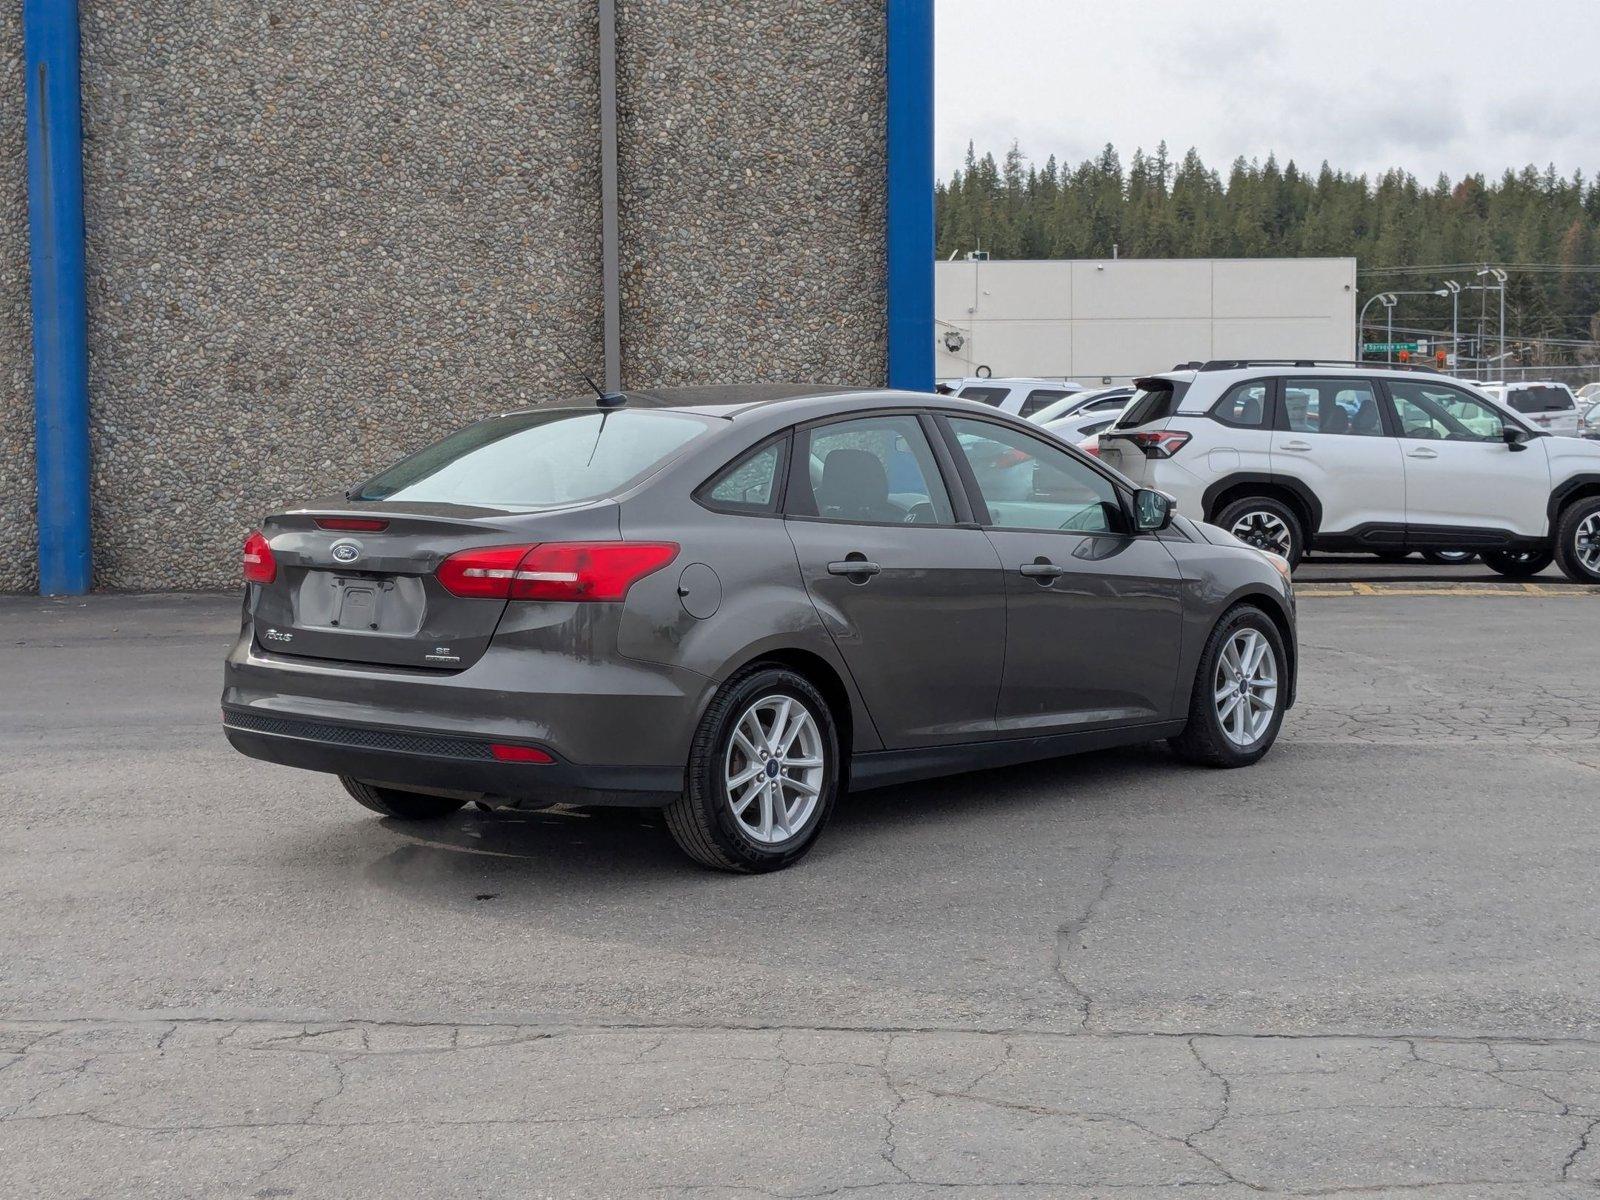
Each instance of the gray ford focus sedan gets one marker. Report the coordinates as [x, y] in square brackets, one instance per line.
[736, 604]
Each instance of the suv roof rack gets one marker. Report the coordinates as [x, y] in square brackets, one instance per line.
[1236, 364]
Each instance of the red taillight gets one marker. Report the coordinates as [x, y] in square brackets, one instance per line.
[1090, 446]
[520, 754]
[1162, 444]
[1007, 459]
[554, 570]
[259, 565]
[352, 524]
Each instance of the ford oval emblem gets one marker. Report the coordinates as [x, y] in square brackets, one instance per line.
[346, 551]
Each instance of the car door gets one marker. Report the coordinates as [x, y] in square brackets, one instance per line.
[1093, 614]
[1331, 437]
[912, 597]
[1460, 473]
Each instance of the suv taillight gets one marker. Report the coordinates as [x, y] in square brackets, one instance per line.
[259, 565]
[1161, 444]
[553, 570]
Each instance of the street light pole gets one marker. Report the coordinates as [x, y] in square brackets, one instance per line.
[1454, 289]
[1361, 321]
[1499, 285]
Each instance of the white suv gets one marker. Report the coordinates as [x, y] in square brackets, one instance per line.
[1343, 456]
[1546, 405]
[1021, 397]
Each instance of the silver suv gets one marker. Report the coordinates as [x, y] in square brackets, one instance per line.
[1291, 455]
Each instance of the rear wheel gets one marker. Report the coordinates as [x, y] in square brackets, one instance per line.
[1449, 557]
[1518, 564]
[1266, 524]
[1236, 707]
[402, 806]
[763, 774]
[1578, 541]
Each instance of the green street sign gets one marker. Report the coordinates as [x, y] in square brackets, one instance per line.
[1387, 347]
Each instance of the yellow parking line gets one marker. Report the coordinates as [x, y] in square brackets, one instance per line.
[1320, 591]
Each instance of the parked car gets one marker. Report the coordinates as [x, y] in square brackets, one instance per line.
[1589, 393]
[1589, 419]
[1547, 405]
[1021, 397]
[667, 604]
[1109, 401]
[1346, 456]
[1083, 429]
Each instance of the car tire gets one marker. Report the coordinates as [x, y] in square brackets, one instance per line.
[1517, 564]
[1578, 541]
[739, 729]
[402, 806]
[1266, 524]
[1218, 733]
[1449, 558]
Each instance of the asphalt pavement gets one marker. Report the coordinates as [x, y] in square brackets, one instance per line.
[1368, 965]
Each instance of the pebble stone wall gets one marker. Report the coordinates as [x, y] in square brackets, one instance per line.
[19, 564]
[321, 235]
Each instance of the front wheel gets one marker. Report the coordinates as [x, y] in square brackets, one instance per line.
[402, 806]
[1449, 558]
[1236, 707]
[1517, 564]
[763, 774]
[1578, 541]
[1266, 524]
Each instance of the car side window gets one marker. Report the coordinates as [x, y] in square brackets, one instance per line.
[1245, 405]
[1028, 484]
[1348, 407]
[1437, 412]
[1040, 398]
[878, 470]
[749, 485]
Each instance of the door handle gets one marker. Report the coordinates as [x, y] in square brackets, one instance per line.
[858, 568]
[1422, 452]
[1042, 569]
[1302, 447]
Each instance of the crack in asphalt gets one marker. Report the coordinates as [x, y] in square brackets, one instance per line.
[1069, 935]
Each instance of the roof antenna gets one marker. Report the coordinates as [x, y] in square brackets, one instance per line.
[603, 399]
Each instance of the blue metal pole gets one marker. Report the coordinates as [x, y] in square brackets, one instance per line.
[909, 68]
[55, 258]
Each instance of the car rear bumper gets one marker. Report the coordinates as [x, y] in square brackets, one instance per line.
[618, 730]
[421, 758]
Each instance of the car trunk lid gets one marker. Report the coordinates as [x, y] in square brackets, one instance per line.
[357, 583]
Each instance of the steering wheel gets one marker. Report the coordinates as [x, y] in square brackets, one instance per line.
[922, 513]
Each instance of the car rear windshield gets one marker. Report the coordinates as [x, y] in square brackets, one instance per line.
[539, 459]
[1541, 399]
[985, 395]
[1156, 400]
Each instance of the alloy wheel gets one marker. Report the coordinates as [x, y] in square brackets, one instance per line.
[1586, 543]
[773, 769]
[1246, 693]
[1263, 530]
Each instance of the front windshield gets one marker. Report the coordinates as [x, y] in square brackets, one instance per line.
[538, 459]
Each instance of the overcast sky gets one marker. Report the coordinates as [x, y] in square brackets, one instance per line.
[1457, 86]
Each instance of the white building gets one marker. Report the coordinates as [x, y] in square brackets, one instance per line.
[1112, 320]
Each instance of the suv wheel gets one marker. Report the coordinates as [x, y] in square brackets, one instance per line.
[402, 806]
[1266, 524]
[1236, 707]
[1449, 557]
[1578, 541]
[1517, 564]
[763, 774]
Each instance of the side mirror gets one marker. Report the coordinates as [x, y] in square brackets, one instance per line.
[1514, 438]
[1152, 510]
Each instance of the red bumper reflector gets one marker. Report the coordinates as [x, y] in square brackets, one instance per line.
[521, 754]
